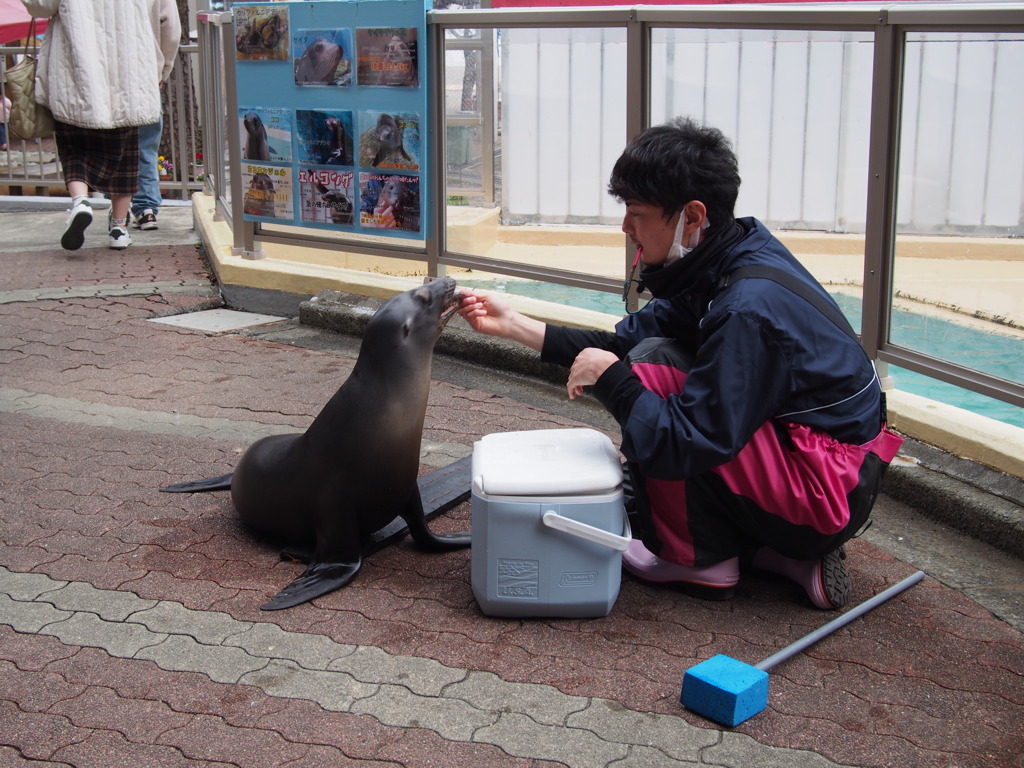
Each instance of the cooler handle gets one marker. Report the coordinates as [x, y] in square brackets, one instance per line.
[597, 535]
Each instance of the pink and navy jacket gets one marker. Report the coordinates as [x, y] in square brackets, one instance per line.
[744, 397]
[759, 352]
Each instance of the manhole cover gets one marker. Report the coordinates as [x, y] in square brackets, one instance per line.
[218, 320]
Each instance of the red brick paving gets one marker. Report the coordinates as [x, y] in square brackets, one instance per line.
[930, 680]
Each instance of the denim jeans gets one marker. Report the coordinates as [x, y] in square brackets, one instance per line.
[148, 195]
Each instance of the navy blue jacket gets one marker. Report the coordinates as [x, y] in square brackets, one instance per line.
[760, 353]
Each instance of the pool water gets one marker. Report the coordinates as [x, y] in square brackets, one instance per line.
[991, 353]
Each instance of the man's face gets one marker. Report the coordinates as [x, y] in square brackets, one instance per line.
[647, 226]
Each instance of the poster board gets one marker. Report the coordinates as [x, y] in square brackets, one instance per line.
[332, 113]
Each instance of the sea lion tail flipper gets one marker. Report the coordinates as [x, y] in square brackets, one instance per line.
[222, 483]
[319, 579]
[438, 492]
[416, 518]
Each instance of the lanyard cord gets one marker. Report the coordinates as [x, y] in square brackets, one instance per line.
[632, 274]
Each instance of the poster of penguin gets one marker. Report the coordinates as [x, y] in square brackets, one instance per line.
[327, 196]
[387, 56]
[261, 33]
[324, 137]
[389, 140]
[389, 201]
[322, 57]
[266, 134]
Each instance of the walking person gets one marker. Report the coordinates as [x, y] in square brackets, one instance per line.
[5, 115]
[147, 199]
[753, 422]
[99, 72]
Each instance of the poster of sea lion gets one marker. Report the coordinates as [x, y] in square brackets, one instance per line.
[389, 201]
[261, 33]
[324, 137]
[387, 56]
[266, 134]
[327, 197]
[322, 57]
[268, 191]
[389, 140]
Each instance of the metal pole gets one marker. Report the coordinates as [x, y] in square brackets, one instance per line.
[808, 640]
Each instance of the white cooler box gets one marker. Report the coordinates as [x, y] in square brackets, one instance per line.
[549, 526]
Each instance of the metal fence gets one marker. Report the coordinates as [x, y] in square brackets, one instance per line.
[854, 117]
[797, 105]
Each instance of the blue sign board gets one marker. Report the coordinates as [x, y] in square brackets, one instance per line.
[332, 114]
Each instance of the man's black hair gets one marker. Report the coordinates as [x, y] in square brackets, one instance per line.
[669, 165]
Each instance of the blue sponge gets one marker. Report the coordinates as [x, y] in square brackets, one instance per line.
[725, 690]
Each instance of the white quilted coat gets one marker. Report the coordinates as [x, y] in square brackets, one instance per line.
[102, 60]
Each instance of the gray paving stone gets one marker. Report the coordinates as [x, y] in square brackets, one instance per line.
[208, 627]
[336, 691]
[670, 735]
[452, 719]
[544, 703]
[739, 751]
[27, 586]
[522, 736]
[117, 638]
[192, 287]
[184, 654]
[309, 651]
[424, 677]
[108, 604]
[648, 757]
[29, 617]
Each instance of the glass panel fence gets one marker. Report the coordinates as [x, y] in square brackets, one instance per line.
[958, 278]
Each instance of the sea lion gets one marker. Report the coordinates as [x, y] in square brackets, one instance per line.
[260, 34]
[318, 63]
[259, 198]
[339, 142]
[341, 207]
[327, 490]
[390, 137]
[398, 66]
[257, 146]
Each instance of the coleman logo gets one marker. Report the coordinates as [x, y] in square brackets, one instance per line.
[584, 579]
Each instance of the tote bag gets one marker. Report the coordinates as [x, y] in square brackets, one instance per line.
[28, 120]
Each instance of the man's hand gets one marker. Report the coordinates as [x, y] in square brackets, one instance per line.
[587, 369]
[485, 312]
[488, 313]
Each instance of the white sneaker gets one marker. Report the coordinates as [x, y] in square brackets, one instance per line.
[79, 218]
[119, 238]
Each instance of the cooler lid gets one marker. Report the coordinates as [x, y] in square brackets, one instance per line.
[546, 462]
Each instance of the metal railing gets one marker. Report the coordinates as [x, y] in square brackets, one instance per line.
[886, 28]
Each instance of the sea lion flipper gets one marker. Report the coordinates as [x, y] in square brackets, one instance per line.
[426, 538]
[319, 579]
[222, 483]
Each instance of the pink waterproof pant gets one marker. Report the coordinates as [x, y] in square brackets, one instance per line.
[803, 493]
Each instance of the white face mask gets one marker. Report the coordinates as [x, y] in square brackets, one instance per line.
[678, 250]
